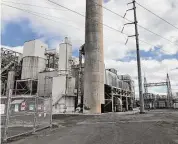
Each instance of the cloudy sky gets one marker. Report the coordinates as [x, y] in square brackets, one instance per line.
[50, 23]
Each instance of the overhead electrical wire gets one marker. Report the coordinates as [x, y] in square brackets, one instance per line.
[84, 15]
[156, 15]
[80, 15]
[33, 5]
[104, 25]
[58, 17]
[40, 15]
[36, 14]
[137, 24]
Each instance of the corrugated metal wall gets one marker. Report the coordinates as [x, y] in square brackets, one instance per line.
[45, 84]
[113, 80]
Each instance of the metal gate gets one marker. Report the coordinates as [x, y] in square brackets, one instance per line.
[24, 114]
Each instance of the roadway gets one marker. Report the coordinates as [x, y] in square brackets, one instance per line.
[154, 127]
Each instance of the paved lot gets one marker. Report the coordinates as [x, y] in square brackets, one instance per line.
[23, 123]
[154, 127]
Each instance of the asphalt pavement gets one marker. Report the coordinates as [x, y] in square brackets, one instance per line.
[153, 127]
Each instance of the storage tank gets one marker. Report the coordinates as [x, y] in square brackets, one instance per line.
[34, 48]
[31, 66]
[45, 82]
[65, 57]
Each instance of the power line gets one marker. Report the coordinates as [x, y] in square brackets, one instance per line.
[36, 14]
[157, 15]
[84, 16]
[103, 24]
[98, 22]
[137, 24]
[107, 25]
[32, 5]
[39, 15]
[75, 13]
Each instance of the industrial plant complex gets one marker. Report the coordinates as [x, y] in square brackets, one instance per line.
[55, 73]
[66, 84]
[79, 98]
[46, 73]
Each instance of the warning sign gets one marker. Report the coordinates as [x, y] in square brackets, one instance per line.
[23, 106]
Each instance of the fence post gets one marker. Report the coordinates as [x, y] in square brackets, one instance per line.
[35, 115]
[7, 115]
[51, 110]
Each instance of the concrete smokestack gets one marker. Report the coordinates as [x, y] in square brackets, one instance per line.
[94, 57]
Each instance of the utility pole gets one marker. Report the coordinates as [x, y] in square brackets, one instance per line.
[138, 54]
[169, 91]
[138, 61]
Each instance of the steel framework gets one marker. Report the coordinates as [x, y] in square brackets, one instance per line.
[167, 84]
[52, 58]
[10, 60]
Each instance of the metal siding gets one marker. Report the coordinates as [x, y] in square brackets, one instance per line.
[45, 85]
[31, 66]
[112, 79]
[65, 55]
[75, 75]
[71, 86]
[58, 88]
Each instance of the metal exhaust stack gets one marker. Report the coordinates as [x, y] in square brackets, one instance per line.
[94, 57]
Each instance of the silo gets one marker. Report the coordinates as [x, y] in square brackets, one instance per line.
[31, 66]
[65, 57]
[33, 59]
[94, 57]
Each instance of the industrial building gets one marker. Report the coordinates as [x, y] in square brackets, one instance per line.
[89, 87]
[43, 72]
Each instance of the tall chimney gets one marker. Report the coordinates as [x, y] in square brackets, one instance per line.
[94, 57]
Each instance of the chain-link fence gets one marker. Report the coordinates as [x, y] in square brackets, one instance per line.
[24, 114]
